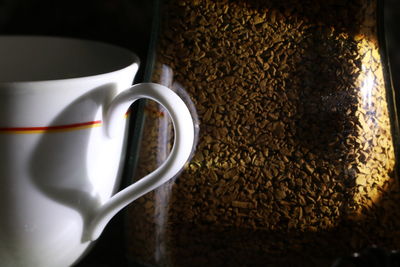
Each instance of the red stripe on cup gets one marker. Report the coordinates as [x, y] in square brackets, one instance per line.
[67, 127]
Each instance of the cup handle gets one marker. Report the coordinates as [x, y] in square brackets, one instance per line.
[181, 150]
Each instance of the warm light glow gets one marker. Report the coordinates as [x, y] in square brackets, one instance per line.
[367, 87]
[372, 115]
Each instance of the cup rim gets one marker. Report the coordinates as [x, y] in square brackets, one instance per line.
[132, 58]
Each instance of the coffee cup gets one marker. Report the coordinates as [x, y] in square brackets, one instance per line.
[63, 133]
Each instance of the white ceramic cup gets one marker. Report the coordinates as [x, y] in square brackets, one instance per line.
[63, 105]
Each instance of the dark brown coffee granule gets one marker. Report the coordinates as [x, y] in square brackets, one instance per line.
[295, 161]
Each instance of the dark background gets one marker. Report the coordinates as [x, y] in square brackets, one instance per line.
[128, 23]
[392, 30]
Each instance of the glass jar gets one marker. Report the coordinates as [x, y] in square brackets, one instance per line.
[296, 157]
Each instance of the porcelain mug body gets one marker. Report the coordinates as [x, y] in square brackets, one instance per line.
[63, 114]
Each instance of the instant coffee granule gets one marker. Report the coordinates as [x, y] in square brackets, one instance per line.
[295, 164]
